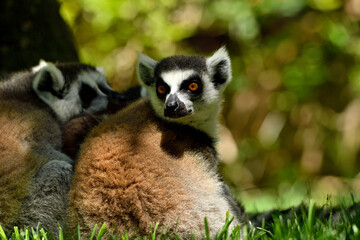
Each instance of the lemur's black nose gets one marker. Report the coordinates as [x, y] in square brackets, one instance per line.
[174, 107]
[172, 103]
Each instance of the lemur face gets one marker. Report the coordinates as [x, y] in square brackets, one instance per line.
[73, 89]
[178, 90]
[185, 89]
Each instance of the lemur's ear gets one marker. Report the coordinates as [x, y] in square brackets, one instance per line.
[219, 67]
[145, 68]
[48, 82]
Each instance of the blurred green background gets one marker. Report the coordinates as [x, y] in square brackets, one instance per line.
[292, 112]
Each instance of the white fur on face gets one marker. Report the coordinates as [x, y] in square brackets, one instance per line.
[204, 110]
[174, 80]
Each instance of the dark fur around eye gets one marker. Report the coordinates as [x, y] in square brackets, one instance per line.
[185, 86]
[87, 94]
[161, 82]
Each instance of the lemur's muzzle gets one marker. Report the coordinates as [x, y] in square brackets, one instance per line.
[174, 108]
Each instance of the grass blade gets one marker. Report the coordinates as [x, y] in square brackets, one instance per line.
[224, 234]
[93, 232]
[27, 236]
[16, 231]
[2, 234]
[311, 214]
[207, 233]
[61, 235]
[176, 236]
[43, 234]
[101, 232]
[79, 235]
[154, 233]
[125, 237]
[35, 234]
[235, 233]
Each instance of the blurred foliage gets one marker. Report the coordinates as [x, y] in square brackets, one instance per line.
[292, 113]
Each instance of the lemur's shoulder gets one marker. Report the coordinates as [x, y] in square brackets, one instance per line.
[139, 121]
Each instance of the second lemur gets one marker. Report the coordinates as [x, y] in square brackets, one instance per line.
[34, 106]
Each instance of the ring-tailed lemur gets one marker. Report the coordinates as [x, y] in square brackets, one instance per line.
[34, 105]
[155, 161]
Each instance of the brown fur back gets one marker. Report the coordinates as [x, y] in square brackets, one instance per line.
[135, 170]
[24, 133]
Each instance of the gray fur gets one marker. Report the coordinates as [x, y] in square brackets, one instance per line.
[47, 199]
[236, 208]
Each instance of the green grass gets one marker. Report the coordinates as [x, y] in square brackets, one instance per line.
[306, 223]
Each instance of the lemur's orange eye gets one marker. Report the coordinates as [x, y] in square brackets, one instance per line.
[161, 89]
[193, 86]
